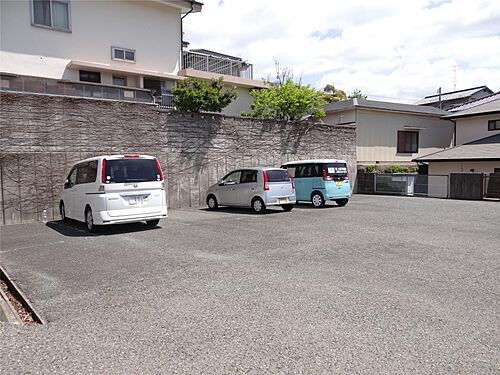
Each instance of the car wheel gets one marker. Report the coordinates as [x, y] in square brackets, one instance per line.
[89, 220]
[342, 202]
[152, 223]
[212, 202]
[258, 205]
[317, 199]
[62, 212]
[287, 207]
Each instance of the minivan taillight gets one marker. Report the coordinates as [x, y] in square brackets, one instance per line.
[326, 177]
[292, 181]
[346, 177]
[158, 169]
[266, 181]
[103, 171]
[131, 156]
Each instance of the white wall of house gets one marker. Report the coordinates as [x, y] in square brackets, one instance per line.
[151, 29]
[341, 117]
[473, 128]
[377, 134]
[241, 104]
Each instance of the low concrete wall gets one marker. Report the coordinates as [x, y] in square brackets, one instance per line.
[42, 136]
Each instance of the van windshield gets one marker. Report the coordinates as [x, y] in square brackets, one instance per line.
[131, 170]
[277, 175]
[335, 169]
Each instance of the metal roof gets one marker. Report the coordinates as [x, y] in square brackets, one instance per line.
[383, 106]
[482, 149]
[489, 104]
[452, 95]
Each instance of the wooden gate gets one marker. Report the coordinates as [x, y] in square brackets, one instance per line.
[466, 185]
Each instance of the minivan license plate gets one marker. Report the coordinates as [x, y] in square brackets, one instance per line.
[338, 183]
[282, 200]
[135, 200]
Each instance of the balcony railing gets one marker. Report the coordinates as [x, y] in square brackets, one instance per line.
[167, 100]
[70, 88]
[216, 64]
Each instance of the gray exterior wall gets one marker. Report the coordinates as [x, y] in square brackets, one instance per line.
[42, 136]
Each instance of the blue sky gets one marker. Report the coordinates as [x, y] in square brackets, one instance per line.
[391, 50]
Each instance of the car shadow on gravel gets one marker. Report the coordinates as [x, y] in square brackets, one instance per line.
[309, 206]
[243, 211]
[77, 229]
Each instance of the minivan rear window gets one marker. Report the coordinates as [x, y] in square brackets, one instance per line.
[277, 175]
[131, 170]
[335, 169]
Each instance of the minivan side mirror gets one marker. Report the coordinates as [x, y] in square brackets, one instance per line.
[66, 184]
[221, 183]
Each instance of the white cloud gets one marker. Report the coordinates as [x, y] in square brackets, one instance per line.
[387, 48]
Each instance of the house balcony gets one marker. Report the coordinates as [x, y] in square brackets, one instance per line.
[213, 62]
[38, 85]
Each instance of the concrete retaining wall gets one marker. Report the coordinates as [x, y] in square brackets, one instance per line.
[42, 136]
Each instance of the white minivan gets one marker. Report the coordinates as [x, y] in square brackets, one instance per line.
[114, 189]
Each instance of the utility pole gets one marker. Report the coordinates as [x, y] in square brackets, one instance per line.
[439, 92]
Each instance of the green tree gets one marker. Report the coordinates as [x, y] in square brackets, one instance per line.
[357, 94]
[334, 95]
[287, 100]
[195, 95]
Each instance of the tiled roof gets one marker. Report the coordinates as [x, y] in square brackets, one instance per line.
[476, 102]
[482, 149]
[452, 95]
[490, 104]
[386, 106]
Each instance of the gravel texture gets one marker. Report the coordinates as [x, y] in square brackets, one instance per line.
[383, 285]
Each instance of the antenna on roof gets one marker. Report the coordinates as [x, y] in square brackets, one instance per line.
[454, 68]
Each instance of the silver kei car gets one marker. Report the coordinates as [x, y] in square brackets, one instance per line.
[257, 188]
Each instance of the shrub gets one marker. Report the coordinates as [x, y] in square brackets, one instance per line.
[397, 169]
[371, 169]
[287, 100]
[195, 95]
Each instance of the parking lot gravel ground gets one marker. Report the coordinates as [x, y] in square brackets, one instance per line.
[384, 285]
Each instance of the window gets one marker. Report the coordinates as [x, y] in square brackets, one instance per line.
[277, 175]
[407, 142]
[86, 172]
[124, 54]
[291, 169]
[494, 125]
[71, 179]
[119, 81]
[155, 85]
[51, 13]
[131, 170]
[232, 178]
[309, 170]
[86, 76]
[248, 176]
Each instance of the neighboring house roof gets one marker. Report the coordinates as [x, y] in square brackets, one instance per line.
[483, 149]
[383, 106]
[484, 106]
[452, 95]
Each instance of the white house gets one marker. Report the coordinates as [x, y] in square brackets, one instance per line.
[392, 133]
[477, 139]
[109, 49]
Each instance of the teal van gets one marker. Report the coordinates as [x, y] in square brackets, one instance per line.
[317, 181]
